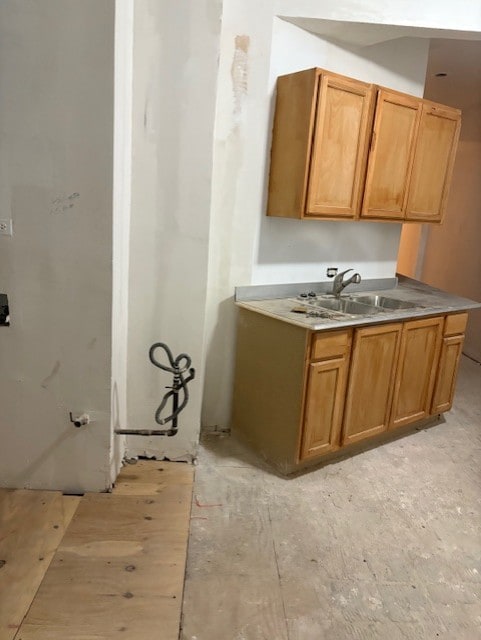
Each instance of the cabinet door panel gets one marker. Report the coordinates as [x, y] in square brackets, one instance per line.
[326, 388]
[373, 367]
[447, 374]
[391, 156]
[340, 147]
[433, 163]
[418, 362]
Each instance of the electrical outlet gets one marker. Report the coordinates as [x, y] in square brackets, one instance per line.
[6, 227]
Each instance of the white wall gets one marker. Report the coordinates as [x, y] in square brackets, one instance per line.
[176, 48]
[246, 247]
[56, 111]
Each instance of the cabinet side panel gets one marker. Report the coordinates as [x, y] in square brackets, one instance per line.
[291, 143]
[374, 360]
[433, 163]
[268, 387]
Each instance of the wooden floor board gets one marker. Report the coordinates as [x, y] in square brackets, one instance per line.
[119, 570]
[148, 477]
[32, 524]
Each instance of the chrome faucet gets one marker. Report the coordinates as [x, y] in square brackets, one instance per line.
[339, 283]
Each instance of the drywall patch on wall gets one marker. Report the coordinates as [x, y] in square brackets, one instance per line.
[239, 73]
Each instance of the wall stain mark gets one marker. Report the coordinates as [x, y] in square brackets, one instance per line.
[239, 73]
[51, 376]
[63, 203]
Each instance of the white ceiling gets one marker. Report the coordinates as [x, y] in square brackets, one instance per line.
[365, 34]
[456, 53]
[461, 60]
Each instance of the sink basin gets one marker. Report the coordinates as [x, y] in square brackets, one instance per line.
[385, 303]
[344, 305]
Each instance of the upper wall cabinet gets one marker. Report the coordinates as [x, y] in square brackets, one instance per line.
[320, 141]
[344, 149]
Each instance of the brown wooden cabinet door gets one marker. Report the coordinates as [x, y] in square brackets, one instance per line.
[418, 364]
[448, 370]
[391, 155]
[433, 163]
[326, 387]
[373, 368]
[339, 152]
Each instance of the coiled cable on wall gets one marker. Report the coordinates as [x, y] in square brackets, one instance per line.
[177, 367]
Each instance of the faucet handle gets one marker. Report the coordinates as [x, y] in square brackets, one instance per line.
[340, 275]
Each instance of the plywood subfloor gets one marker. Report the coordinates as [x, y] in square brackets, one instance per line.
[118, 572]
[385, 545]
[32, 524]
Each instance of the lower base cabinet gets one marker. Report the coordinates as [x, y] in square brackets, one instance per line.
[300, 395]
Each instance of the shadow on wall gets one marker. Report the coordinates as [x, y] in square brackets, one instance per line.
[312, 241]
[220, 350]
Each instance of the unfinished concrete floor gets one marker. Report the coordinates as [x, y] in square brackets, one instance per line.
[382, 546]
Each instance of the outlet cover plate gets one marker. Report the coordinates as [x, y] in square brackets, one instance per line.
[5, 226]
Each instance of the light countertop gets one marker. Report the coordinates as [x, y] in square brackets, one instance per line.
[278, 302]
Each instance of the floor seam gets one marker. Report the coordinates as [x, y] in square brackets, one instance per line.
[278, 573]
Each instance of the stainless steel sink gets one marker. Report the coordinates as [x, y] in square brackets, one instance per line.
[385, 303]
[343, 305]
